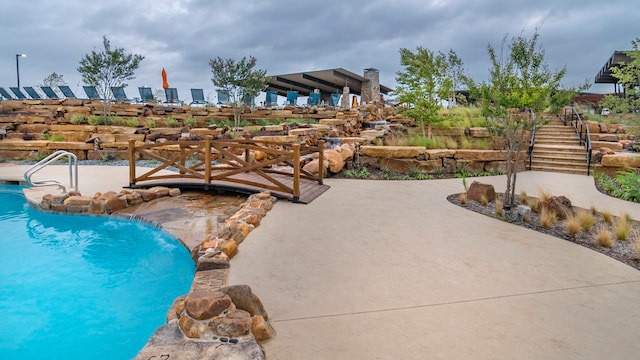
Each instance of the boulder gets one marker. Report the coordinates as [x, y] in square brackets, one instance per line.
[478, 191]
[244, 299]
[560, 205]
[189, 326]
[335, 160]
[392, 151]
[261, 329]
[621, 160]
[203, 305]
[232, 324]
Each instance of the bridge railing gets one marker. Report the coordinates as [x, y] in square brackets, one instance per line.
[225, 160]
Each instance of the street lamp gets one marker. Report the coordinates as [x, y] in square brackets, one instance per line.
[18, 56]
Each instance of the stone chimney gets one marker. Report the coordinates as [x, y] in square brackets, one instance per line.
[371, 87]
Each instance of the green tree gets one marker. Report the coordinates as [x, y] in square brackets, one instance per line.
[628, 74]
[108, 68]
[519, 89]
[53, 79]
[455, 72]
[239, 80]
[423, 84]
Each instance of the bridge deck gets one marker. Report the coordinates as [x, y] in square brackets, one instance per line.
[309, 189]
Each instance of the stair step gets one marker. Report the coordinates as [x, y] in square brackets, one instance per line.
[561, 163]
[560, 169]
[559, 157]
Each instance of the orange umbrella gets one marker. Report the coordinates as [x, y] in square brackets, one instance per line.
[355, 102]
[165, 84]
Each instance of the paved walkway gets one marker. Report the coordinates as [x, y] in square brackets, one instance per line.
[392, 270]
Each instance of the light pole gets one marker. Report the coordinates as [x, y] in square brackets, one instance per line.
[18, 56]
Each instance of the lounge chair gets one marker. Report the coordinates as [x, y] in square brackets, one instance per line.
[248, 100]
[292, 97]
[271, 99]
[314, 99]
[32, 92]
[172, 96]
[146, 94]
[92, 92]
[18, 93]
[47, 90]
[197, 97]
[334, 100]
[66, 91]
[119, 94]
[223, 97]
[4, 95]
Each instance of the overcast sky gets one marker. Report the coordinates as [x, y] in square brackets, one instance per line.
[290, 36]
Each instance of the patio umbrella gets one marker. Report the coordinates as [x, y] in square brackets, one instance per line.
[165, 84]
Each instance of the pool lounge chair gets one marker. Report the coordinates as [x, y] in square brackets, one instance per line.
[292, 97]
[47, 90]
[334, 100]
[146, 94]
[314, 99]
[197, 97]
[223, 97]
[32, 92]
[271, 99]
[92, 92]
[172, 96]
[66, 91]
[16, 91]
[4, 95]
[119, 94]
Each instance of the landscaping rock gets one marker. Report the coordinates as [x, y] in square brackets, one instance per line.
[560, 205]
[261, 329]
[479, 192]
[232, 324]
[203, 305]
[244, 299]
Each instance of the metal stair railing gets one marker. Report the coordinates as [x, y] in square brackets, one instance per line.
[572, 117]
[73, 171]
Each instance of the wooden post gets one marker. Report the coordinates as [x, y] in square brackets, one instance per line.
[207, 161]
[132, 163]
[320, 161]
[182, 157]
[296, 172]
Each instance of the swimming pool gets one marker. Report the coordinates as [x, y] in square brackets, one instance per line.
[83, 287]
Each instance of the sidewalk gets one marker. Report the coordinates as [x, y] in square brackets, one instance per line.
[392, 270]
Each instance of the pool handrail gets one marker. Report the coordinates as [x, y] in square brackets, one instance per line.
[73, 168]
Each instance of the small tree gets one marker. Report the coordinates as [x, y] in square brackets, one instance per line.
[238, 80]
[54, 79]
[423, 84]
[628, 74]
[108, 68]
[455, 71]
[519, 89]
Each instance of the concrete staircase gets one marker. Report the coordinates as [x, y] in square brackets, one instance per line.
[557, 149]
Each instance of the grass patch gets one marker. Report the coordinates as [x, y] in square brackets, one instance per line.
[604, 237]
[622, 228]
[572, 226]
[586, 220]
[548, 218]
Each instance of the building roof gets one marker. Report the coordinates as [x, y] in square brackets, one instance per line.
[604, 75]
[327, 81]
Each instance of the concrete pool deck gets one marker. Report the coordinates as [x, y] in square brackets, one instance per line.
[392, 270]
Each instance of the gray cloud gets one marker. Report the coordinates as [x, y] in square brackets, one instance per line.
[291, 36]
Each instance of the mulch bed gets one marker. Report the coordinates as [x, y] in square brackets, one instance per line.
[622, 250]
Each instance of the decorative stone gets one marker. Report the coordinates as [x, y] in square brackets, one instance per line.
[229, 247]
[174, 192]
[334, 158]
[244, 299]
[160, 190]
[213, 260]
[203, 305]
[78, 200]
[148, 195]
[189, 326]
[261, 329]
[621, 160]
[478, 191]
[560, 205]
[232, 324]
[481, 155]
[392, 151]
[115, 203]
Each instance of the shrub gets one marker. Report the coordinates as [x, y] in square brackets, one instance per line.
[172, 122]
[586, 220]
[572, 225]
[533, 204]
[594, 210]
[483, 200]
[499, 208]
[543, 195]
[57, 138]
[607, 216]
[96, 120]
[604, 237]
[622, 228]
[150, 123]
[450, 143]
[191, 122]
[524, 198]
[131, 122]
[462, 197]
[548, 218]
[77, 119]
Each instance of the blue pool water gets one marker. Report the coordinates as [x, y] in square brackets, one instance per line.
[82, 287]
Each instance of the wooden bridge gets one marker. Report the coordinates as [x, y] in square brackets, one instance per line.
[239, 165]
